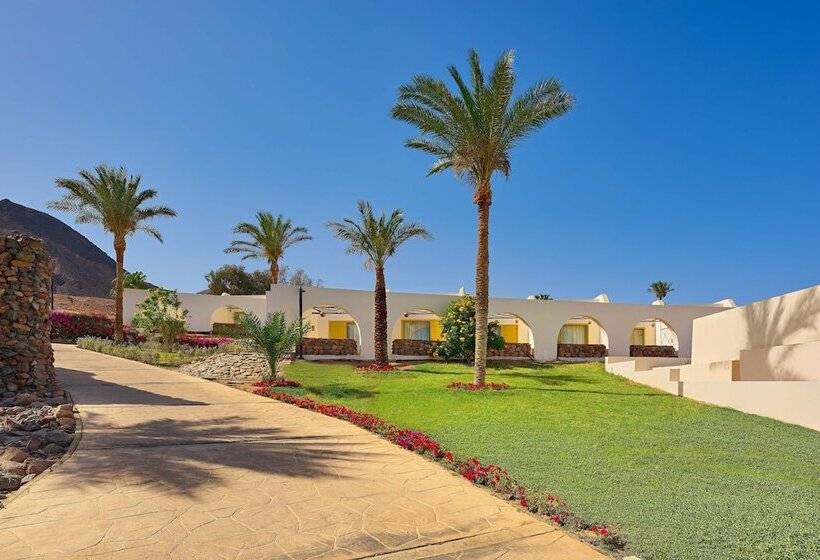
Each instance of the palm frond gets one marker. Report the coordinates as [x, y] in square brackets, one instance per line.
[377, 237]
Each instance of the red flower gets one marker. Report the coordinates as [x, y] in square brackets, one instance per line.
[376, 367]
[557, 519]
[524, 503]
[478, 387]
[276, 383]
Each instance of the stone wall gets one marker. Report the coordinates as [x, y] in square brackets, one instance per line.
[511, 350]
[407, 347]
[26, 359]
[649, 351]
[235, 367]
[329, 347]
[581, 350]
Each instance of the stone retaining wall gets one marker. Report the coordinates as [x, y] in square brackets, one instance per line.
[511, 350]
[581, 351]
[26, 358]
[237, 367]
[407, 347]
[329, 347]
[649, 351]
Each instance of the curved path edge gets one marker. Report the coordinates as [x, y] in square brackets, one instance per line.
[171, 466]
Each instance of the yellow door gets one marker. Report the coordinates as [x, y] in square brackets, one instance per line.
[337, 329]
[509, 333]
[435, 329]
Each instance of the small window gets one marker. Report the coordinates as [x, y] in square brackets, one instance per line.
[416, 330]
[638, 337]
[573, 334]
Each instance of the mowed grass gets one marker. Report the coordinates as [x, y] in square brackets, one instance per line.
[681, 480]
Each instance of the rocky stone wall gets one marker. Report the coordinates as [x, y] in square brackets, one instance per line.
[329, 347]
[649, 351]
[238, 367]
[26, 358]
[511, 350]
[408, 347]
[581, 350]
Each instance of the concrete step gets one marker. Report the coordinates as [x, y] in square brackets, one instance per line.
[728, 370]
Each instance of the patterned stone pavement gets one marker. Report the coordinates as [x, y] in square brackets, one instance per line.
[171, 466]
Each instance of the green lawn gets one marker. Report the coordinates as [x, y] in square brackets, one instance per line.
[680, 480]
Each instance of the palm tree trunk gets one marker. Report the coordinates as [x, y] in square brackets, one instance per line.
[274, 272]
[380, 329]
[119, 250]
[482, 285]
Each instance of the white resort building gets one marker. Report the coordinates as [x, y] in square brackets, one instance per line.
[760, 358]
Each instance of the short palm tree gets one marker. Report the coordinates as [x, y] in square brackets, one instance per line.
[377, 238]
[270, 237]
[274, 338]
[109, 196]
[472, 131]
[661, 289]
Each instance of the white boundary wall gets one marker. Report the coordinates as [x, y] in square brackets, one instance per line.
[543, 317]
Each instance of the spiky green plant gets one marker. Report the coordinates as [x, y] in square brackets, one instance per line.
[472, 131]
[270, 237]
[377, 238]
[274, 337]
[112, 198]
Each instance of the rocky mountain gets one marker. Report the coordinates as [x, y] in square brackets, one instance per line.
[82, 268]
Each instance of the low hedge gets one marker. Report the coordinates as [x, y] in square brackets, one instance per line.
[68, 326]
[150, 352]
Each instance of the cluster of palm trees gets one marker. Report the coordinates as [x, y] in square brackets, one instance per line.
[470, 129]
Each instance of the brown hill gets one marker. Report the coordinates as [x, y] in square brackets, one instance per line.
[82, 268]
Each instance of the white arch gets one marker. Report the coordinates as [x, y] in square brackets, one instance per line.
[325, 319]
[655, 332]
[593, 334]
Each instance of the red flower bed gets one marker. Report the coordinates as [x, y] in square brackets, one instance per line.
[490, 475]
[277, 383]
[376, 367]
[416, 441]
[68, 326]
[475, 387]
[203, 340]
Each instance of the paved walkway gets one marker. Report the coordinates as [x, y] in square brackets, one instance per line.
[170, 466]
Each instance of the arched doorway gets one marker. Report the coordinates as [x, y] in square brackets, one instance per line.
[415, 334]
[334, 332]
[225, 320]
[582, 338]
[653, 338]
[518, 339]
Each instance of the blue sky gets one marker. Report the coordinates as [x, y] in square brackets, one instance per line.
[692, 154]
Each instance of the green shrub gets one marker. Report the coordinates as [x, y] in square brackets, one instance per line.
[233, 330]
[153, 353]
[160, 316]
[458, 331]
[273, 338]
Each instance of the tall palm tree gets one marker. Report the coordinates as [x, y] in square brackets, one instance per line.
[660, 288]
[109, 196]
[270, 238]
[377, 238]
[472, 132]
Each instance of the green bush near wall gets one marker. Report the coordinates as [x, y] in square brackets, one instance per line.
[227, 329]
